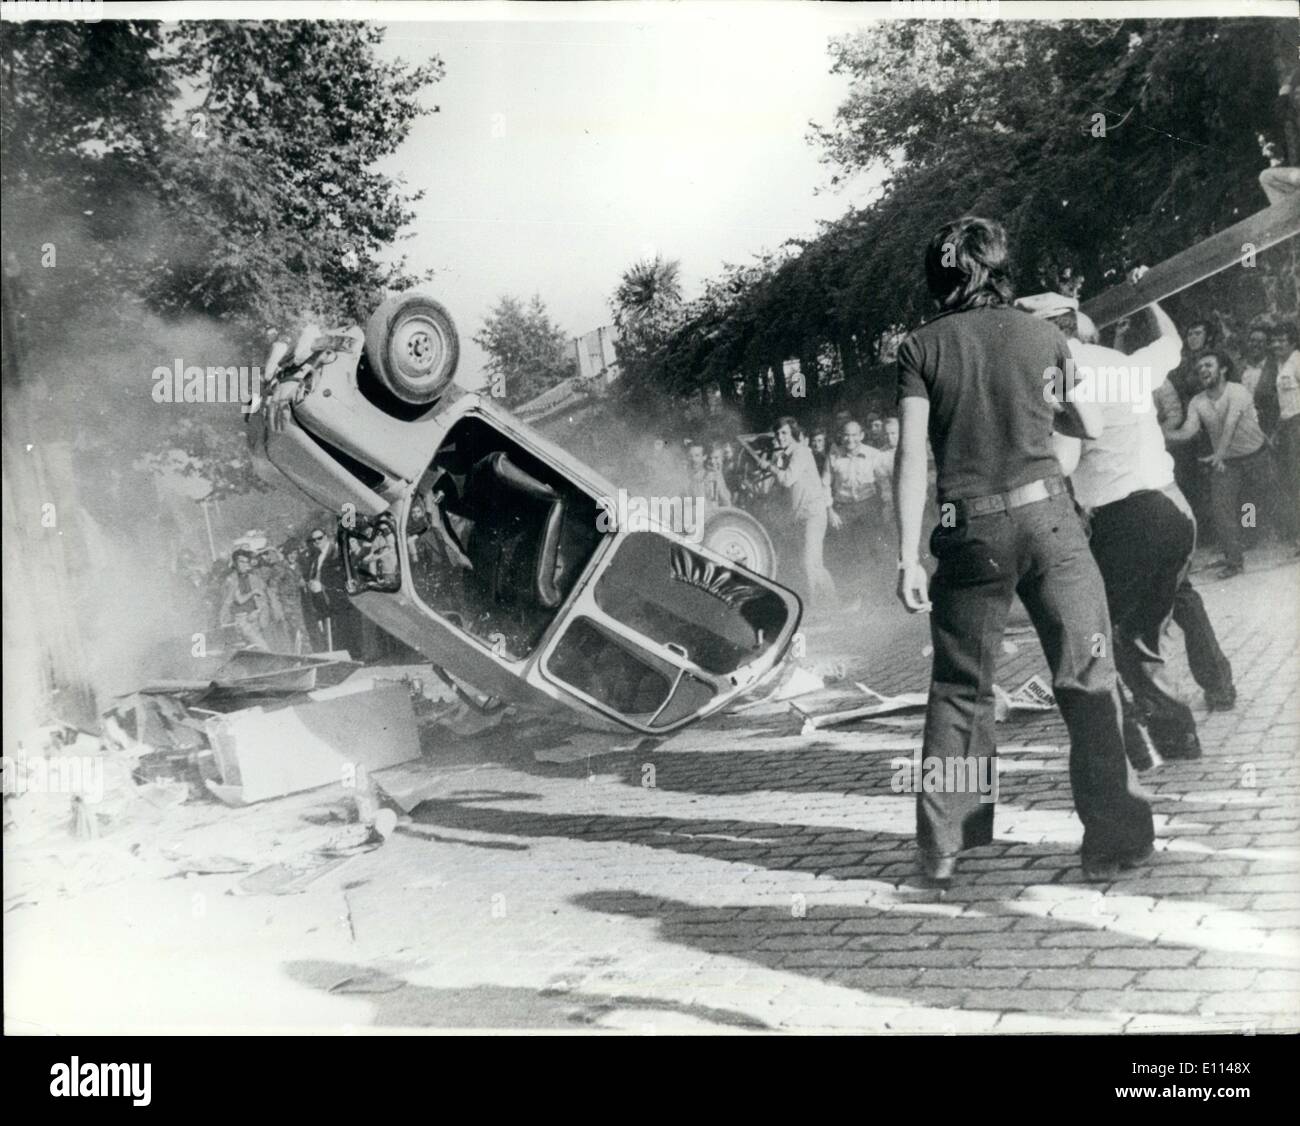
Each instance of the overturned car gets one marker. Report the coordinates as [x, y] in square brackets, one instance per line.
[470, 537]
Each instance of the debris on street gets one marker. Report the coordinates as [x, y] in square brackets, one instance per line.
[1032, 696]
[877, 705]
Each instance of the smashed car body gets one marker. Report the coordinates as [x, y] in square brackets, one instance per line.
[469, 536]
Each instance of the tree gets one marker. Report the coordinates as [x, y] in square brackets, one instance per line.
[1100, 145]
[191, 191]
[170, 195]
[647, 308]
[527, 352]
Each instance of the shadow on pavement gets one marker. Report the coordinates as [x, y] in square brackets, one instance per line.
[399, 1004]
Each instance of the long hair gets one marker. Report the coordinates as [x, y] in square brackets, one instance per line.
[966, 264]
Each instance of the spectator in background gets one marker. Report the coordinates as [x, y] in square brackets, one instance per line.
[837, 428]
[891, 434]
[731, 469]
[817, 443]
[795, 471]
[696, 470]
[246, 603]
[1286, 357]
[716, 490]
[1259, 376]
[1171, 399]
[286, 628]
[695, 459]
[298, 620]
[1241, 470]
[322, 561]
[1198, 337]
[876, 431]
[856, 479]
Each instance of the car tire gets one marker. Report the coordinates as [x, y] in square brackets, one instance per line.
[412, 348]
[736, 535]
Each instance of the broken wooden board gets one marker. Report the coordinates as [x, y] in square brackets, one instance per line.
[268, 753]
[880, 705]
[1208, 257]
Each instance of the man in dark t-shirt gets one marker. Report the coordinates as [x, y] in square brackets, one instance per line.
[982, 370]
[989, 383]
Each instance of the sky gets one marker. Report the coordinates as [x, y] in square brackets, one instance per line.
[565, 150]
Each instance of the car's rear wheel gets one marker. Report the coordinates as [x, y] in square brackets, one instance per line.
[736, 535]
[412, 348]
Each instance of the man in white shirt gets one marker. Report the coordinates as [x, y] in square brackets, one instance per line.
[1242, 471]
[856, 478]
[1142, 529]
[795, 470]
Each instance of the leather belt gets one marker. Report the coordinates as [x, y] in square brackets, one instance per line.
[1042, 489]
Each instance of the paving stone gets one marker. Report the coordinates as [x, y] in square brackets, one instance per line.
[1087, 938]
[965, 924]
[977, 977]
[1024, 1000]
[1083, 978]
[1206, 980]
[926, 958]
[1137, 1000]
[1237, 1003]
[1143, 957]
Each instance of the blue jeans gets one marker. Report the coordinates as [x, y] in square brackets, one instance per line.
[1039, 551]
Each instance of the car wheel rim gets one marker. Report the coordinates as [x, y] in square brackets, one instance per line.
[417, 351]
[736, 545]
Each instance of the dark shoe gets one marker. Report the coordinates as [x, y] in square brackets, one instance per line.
[1185, 748]
[1140, 759]
[1103, 869]
[1222, 699]
[938, 869]
[1229, 570]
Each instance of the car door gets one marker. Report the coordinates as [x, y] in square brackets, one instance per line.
[664, 632]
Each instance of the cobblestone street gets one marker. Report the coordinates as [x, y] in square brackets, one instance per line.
[741, 876]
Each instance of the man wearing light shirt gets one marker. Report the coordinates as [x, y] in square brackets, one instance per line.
[1242, 469]
[857, 478]
[1142, 529]
[795, 470]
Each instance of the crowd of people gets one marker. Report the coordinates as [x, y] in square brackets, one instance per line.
[293, 599]
[1076, 504]
[821, 489]
[1232, 418]
[1089, 511]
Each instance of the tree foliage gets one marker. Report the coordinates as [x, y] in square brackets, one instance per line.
[647, 309]
[526, 350]
[199, 186]
[1098, 144]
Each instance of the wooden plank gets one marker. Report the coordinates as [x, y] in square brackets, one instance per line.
[1219, 252]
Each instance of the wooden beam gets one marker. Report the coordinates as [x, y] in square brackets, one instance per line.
[1208, 257]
